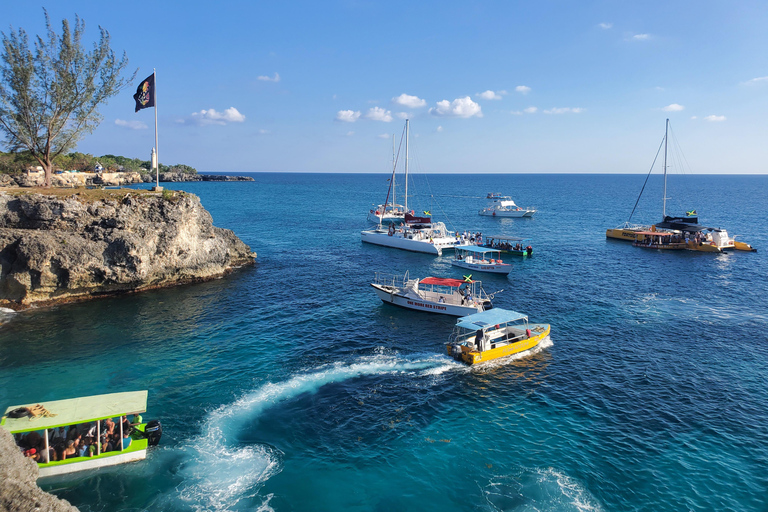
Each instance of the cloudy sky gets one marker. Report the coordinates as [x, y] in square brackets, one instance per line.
[494, 87]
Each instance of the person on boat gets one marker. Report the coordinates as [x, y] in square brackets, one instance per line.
[57, 436]
[441, 300]
[391, 229]
[126, 440]
[479, 340]
[69, 451]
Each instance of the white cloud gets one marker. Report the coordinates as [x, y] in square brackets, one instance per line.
[659, 88]
[715, 119]
[383, 136]
[460, 107]
[350, 133]
[264, 132]
[347, 116]
[694, 117]
[516, 113]
[265, 78]
[641, 37]
[674, 107]
[212, 116]
[523, 89]
[133, 125]
[490, 95]
[755, 81]
[439, 129]
[605, 26]
[409, 101]
[402, 115]
[530, 110]
[565, 110]
[379, 114]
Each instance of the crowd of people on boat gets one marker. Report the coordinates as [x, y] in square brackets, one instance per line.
[81, 440]
[469, 237]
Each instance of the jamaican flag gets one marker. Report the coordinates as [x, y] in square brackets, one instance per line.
[690, 213]
[427, 213]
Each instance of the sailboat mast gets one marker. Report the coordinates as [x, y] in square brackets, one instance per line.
[664, 202]
[407, 129]
[394, 200]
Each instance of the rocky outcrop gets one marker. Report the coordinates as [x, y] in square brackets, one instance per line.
[180, 176]
[18, 490]
[64, 248]
[107, 179]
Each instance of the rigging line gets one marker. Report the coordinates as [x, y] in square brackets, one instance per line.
[394, 168]
[646, 178]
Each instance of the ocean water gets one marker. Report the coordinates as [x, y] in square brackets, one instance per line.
[289, 386]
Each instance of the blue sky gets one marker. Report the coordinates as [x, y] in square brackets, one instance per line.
[492, 87]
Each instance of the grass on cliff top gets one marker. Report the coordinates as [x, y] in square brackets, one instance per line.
[90, 194]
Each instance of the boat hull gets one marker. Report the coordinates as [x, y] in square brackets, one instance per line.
[53, 469]
[494, 268]
[621, 234]
[382, 238]
[471, 356]
[396, 298]
[513, 214]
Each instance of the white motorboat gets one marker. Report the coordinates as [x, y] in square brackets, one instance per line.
[504, 206]
[480, 259]
[446, 296]
[418, 234]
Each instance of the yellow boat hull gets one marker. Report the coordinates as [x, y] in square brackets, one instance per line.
[620, 234]
[471, 356]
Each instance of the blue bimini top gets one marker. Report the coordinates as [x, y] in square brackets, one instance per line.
[491, 317]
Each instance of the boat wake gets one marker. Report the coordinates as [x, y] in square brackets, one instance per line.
[218, 472]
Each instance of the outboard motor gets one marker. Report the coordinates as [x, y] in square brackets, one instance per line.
[153, 432]
[456, 351]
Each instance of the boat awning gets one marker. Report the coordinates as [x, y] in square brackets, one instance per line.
[490, 317]
[455, 283]
[475, 248]
[506, 238]
[78, 410]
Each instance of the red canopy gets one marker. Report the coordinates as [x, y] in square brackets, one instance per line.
[444, 281]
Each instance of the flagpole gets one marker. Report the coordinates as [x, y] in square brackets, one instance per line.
[157, 152]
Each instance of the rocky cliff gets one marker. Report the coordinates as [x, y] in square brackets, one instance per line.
[18, 488]
[66, 246]
[107, 179]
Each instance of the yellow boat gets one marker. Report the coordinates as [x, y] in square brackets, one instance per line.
[627, 231]
[494, 334]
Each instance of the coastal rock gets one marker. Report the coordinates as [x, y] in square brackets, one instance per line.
[55, 249]
[18, 489]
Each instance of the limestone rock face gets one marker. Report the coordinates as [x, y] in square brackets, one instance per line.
[56, 249]
[18, 490]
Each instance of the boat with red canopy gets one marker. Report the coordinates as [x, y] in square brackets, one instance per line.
[447, 296]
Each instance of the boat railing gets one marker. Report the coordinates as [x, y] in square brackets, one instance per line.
[392, 280]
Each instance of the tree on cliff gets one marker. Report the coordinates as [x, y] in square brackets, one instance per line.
[49, 97]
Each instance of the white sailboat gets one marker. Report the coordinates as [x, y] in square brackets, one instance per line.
[389, 211]
[417, 234]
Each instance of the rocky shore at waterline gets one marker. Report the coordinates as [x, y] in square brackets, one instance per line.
[18, 482]
[107, 179]
[65, 246]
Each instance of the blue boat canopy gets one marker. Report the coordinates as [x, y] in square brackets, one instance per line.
[475, 249]
[490, 317]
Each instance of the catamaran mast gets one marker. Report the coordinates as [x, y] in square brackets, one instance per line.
[664, 202]
[407, 128]
[394, 201]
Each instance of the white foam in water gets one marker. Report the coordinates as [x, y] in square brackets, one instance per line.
[540, 490]
[216, 475]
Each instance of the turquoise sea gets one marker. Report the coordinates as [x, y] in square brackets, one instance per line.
[289, 386]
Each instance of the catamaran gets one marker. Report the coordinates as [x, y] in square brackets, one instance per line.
[493, 334]
[46, 430]
[417, 234]
[446, 296]
[675, 233]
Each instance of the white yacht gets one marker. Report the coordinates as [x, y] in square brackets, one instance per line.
[504, 206]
